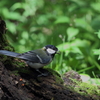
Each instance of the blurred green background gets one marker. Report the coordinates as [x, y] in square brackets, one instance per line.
[71, 25]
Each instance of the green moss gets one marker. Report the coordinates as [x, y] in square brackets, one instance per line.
[3, 58]
[56, 75]
[15, 72]
[18, 63]
[86, 89]
[9, 48]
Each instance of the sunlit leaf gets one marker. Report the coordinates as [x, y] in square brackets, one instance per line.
[11, 27]
[42, 20]
[22, 41]
[96, 6]
[16, 6]
[98, 33]
[72, 32]
[25, 35]
[99, 57]
[96, 51]
[62, 19]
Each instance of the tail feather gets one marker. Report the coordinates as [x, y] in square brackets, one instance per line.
[9, 53]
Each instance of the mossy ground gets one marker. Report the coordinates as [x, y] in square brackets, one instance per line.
[86, 89]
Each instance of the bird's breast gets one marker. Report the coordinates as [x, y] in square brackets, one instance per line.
[35, 65]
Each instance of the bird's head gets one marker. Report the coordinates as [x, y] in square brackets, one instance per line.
[51, 49]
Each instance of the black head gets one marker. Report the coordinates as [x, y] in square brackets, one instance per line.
[51, 49]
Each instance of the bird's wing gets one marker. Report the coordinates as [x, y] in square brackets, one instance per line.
[36, 56]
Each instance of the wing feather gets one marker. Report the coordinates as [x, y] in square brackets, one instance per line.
[36, 56]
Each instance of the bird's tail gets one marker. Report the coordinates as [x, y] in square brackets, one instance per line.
[9, 53]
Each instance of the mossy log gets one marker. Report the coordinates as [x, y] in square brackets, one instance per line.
[19, 82]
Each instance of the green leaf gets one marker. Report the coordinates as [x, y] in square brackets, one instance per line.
[83, 23]
[99, 57]
[11, 27]
[22, 41]
[96, 6]
[62, 19]
[72, 32]
[96, 51]
[25, 35]
[98, 33]
[16, 6]
[42, 20]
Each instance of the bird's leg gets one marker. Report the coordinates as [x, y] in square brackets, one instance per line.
[41, 74]
[38, 71]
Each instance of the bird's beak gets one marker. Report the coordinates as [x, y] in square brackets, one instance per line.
[58, 52]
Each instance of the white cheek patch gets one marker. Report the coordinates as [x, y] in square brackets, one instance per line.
[51, 51]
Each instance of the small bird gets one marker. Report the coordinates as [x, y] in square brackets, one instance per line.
[37, 58]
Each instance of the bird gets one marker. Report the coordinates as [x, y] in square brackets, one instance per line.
[36, 58]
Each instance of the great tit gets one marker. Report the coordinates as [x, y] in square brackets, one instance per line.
[36, 58]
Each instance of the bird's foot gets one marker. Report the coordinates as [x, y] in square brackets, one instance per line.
[41, 74]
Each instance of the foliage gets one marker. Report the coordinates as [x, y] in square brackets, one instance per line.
[97, 51]
[68, 24]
